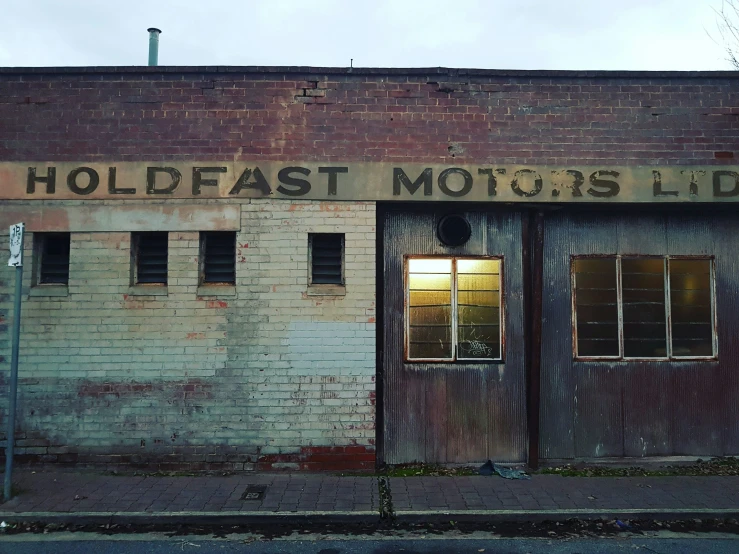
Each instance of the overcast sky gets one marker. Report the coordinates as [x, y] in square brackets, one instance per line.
[491, 34]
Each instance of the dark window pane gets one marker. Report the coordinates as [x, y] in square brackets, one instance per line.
[690, 305]
[596, 306]
[326, 256]
[219, 257]
[645, 348]
[151, 258]
[54, 262]
[594, 348]
[644, 317]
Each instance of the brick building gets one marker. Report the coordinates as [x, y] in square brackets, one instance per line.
[311, 268]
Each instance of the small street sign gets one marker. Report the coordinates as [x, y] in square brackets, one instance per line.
[16, 245]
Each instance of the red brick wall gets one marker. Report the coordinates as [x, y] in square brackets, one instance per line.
[367, 115]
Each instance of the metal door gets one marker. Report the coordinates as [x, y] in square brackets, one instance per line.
[452, 412]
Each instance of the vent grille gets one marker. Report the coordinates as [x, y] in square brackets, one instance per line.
[151, 258]
[54, 267]
[219, 258]
[326, 259]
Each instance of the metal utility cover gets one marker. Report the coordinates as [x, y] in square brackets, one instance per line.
[254, 492]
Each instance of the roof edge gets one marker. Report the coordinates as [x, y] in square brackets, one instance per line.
[365, 71]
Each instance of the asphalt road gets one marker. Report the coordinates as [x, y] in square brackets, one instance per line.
[43, 544]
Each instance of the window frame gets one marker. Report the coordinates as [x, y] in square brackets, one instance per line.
[311, 282]
[454, 311]
[135, 245]
[204, 253]
[670, 357]
[39, 246]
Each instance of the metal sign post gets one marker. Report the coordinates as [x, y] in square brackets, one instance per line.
[16, 260]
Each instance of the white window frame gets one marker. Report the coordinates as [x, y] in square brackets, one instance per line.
[454, 315]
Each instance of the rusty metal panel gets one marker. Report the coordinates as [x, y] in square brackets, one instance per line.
[646, 409]
[452, 404]
[639, 407]
[598, 416]
[467, 436]
[726, 392]
[506, 384]
[437, 424]
[563, 388]
[697, 398]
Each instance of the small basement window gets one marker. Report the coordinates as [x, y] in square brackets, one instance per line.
[218, 258]
[51, 256]
[326, 252]
[149, 258]
[453, 309]
[648, 307]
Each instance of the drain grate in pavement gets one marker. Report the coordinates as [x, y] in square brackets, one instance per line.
[254, 492]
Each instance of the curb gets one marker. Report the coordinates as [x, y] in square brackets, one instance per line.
[403, 516]
[499, 516]
[190, 518]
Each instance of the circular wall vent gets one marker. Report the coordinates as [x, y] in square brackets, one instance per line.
[453, 230]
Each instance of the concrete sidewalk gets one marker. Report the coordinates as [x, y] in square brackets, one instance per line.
[86, 497]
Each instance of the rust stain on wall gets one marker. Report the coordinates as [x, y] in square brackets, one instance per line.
[192, 388]
[320, 458]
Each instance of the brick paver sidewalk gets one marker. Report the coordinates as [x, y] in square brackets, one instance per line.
[89, 492]
[553, 492]
[80, 492]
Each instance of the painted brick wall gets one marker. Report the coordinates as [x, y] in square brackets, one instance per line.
[270, 378]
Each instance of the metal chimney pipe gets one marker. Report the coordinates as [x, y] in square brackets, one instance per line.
[154, 45]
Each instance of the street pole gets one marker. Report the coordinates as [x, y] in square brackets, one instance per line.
[16, 259]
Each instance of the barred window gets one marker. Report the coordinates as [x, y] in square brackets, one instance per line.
[149, 258]
[218, 257]
[646, 307]
[453, 309]
[51, 256]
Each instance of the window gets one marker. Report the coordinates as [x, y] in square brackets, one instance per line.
[149, 258]
[644, 307]
[218, 258]
[453, 309]
[326, 258]
[51, 257]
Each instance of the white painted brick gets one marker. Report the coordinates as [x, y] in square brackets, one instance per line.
[272, 366]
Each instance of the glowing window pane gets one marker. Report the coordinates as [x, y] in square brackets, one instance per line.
[691, 308]
[430, 308]
[478, 308]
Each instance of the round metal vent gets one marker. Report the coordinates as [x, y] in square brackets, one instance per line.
[453, 230]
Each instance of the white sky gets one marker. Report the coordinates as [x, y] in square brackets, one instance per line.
[489, 34]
